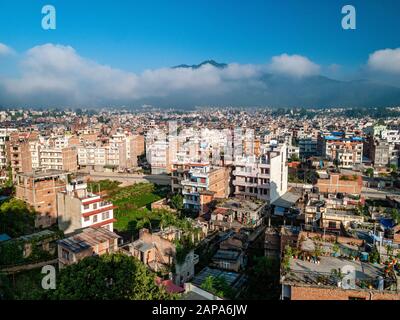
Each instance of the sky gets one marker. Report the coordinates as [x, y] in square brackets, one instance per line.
[135, 38]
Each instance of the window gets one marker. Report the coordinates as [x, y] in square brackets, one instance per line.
[332, 225]
[86, 206]
[86, 219]
[95, 218]
[106, 215]
[95, 206]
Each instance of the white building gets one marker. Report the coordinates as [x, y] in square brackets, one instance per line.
[264, 177]
[78, 208]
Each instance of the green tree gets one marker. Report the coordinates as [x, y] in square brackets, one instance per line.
[177, 202]
[16, 218]
[369, 172]
[218, 286]
[108, 277]
[263, 279]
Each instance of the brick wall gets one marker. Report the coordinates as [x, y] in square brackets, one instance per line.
[311, 293]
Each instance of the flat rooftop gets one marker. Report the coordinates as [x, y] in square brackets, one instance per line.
[241, 204]
[88, 238]
[287, 200]
[226, 255]
[312, 274]
[231, 278]
[43, 173]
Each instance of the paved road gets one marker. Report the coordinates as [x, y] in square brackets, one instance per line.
[126, 178]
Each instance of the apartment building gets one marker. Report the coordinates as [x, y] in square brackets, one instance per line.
[158, 156]
[18, 151]
[134, 149]
[65, 158]
[346, 150]
[39, 189]
[264, 177]
[89, 242]
[92, 157]
[203, 183]
[78, 208]
[4, 137]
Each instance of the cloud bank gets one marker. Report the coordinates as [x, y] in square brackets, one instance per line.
[5, 50]
[56, 75]
[387, 60]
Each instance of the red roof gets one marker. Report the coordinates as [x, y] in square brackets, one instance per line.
[220, 211]
[169, 286]
[90, 213]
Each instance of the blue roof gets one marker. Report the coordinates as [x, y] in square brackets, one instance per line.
[332, 138]
[4, 237]
[387, 223]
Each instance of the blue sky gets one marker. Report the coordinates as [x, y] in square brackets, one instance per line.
[136, 35]
[120, 52]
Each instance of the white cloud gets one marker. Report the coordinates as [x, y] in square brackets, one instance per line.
[386, 60]
[293, 65]
[53, 73]
[5, 50]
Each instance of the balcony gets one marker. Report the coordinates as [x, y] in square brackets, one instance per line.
[245, 174]
[244, 183]
[194, 183]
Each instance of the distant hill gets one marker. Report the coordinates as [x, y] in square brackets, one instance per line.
[197, 66]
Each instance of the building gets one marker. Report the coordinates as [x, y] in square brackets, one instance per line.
[158, 156]
[135, 148]
[234, 213]
[59, 158]
[78, 208]
[158, 251]
[4, 138]
[92, 157]
[308, 147]
[265, 177]
[338, 183]
[346, 150]
[327, 267]
[39, 189]
[204, 183]
[89, 242]
[18, 151]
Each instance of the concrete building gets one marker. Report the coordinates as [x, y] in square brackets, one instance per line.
[39, 189]
[204, 183]
[78, 208]
[158, 252]
[263, 177]
[87, 243]
[4, 137]
[65, 158]
[308, 147]
[18, 151]
[347, 151]
[158, 156]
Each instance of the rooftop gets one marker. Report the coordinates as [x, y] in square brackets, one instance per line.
[89, 237]
[43, 173]
[241, 204]
[311, 274]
